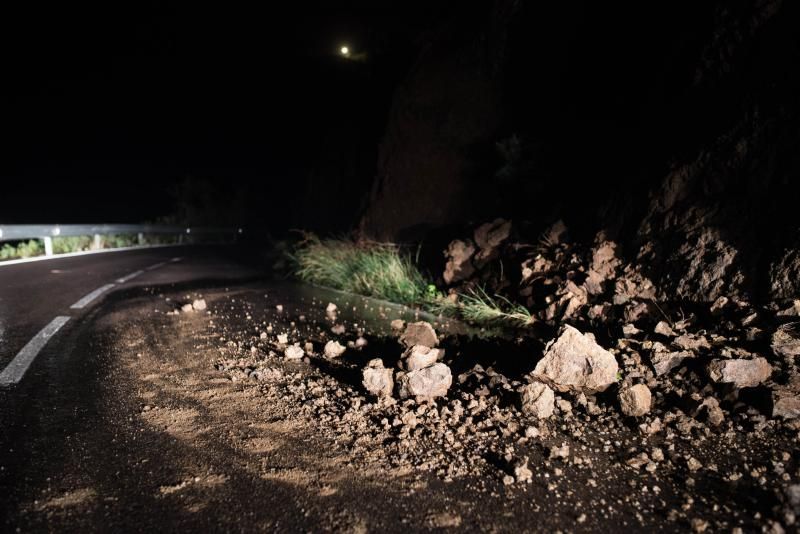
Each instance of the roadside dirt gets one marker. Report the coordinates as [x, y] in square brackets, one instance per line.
[177, 432]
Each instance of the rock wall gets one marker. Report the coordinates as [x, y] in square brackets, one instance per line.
[674, 128]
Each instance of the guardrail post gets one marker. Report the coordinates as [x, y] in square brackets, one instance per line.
[48, 245]
[98, 243]
[140, 238]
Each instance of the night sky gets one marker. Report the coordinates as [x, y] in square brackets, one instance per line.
[108, 107]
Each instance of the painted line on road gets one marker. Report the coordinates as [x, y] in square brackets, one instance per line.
[155, 266]
[129, 277]
[5, 263]
[85, 301]
[15, 370]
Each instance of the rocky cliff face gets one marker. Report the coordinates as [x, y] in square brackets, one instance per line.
[674, 129]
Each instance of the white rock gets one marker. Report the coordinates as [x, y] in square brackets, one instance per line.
[361, 342]
[739, 372]
[575, 362]
[283, 339]
[664, 329]
[664, 360]
[420, 356]
[294, 352]
[537, 399]
[199, 304]
[338, 329]
[635, 401]
[186, 308]
[377, 379]
[430, 382]
[334, 349]
[420, 333]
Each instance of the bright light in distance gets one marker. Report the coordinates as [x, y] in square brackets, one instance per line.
[345, 51]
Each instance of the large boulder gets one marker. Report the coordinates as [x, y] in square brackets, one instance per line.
[575, 362]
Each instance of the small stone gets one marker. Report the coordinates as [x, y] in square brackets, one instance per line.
[665, 361]
[338, 329]
[693, 464]
[199, 304]
[398, 324]
[334, 349]
[786, 400]
[635, 401]
[663, 328]
[377, 379]
[537, 399]
[714, 413]
[186, 308]
[361, 342]
[294, 352]
[283, 339]
[629, 330]
[522, 472]
[719, 306]
[430, 382]
[419, 356]
[420, 333]
[786, 341]
[739, 372]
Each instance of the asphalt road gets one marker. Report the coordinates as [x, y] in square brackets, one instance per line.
[33, 294]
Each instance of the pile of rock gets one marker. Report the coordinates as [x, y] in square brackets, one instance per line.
[422, 375]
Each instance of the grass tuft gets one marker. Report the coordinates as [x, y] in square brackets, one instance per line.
[477, 306]
[373, 269]
[383, 270]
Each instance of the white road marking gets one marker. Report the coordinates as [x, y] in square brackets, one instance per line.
[85, 301]
[129, 277]
[5, 263]
[15, 370]
[156, 266]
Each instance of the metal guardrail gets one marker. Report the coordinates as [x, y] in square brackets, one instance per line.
[46, 232]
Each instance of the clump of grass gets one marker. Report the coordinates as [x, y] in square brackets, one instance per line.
[383, 270]
[379, 270]
[477, 306]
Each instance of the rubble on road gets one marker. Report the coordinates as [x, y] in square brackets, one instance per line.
[538, 400]
[333, 349]
[635, 401]
[420, 356]
[378, 380]
[426, 383]
[575, 362]
[419, 333]
[740, 373]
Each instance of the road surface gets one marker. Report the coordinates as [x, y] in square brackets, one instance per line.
[135, 417]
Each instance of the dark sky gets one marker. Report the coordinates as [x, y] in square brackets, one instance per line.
[108, 105]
